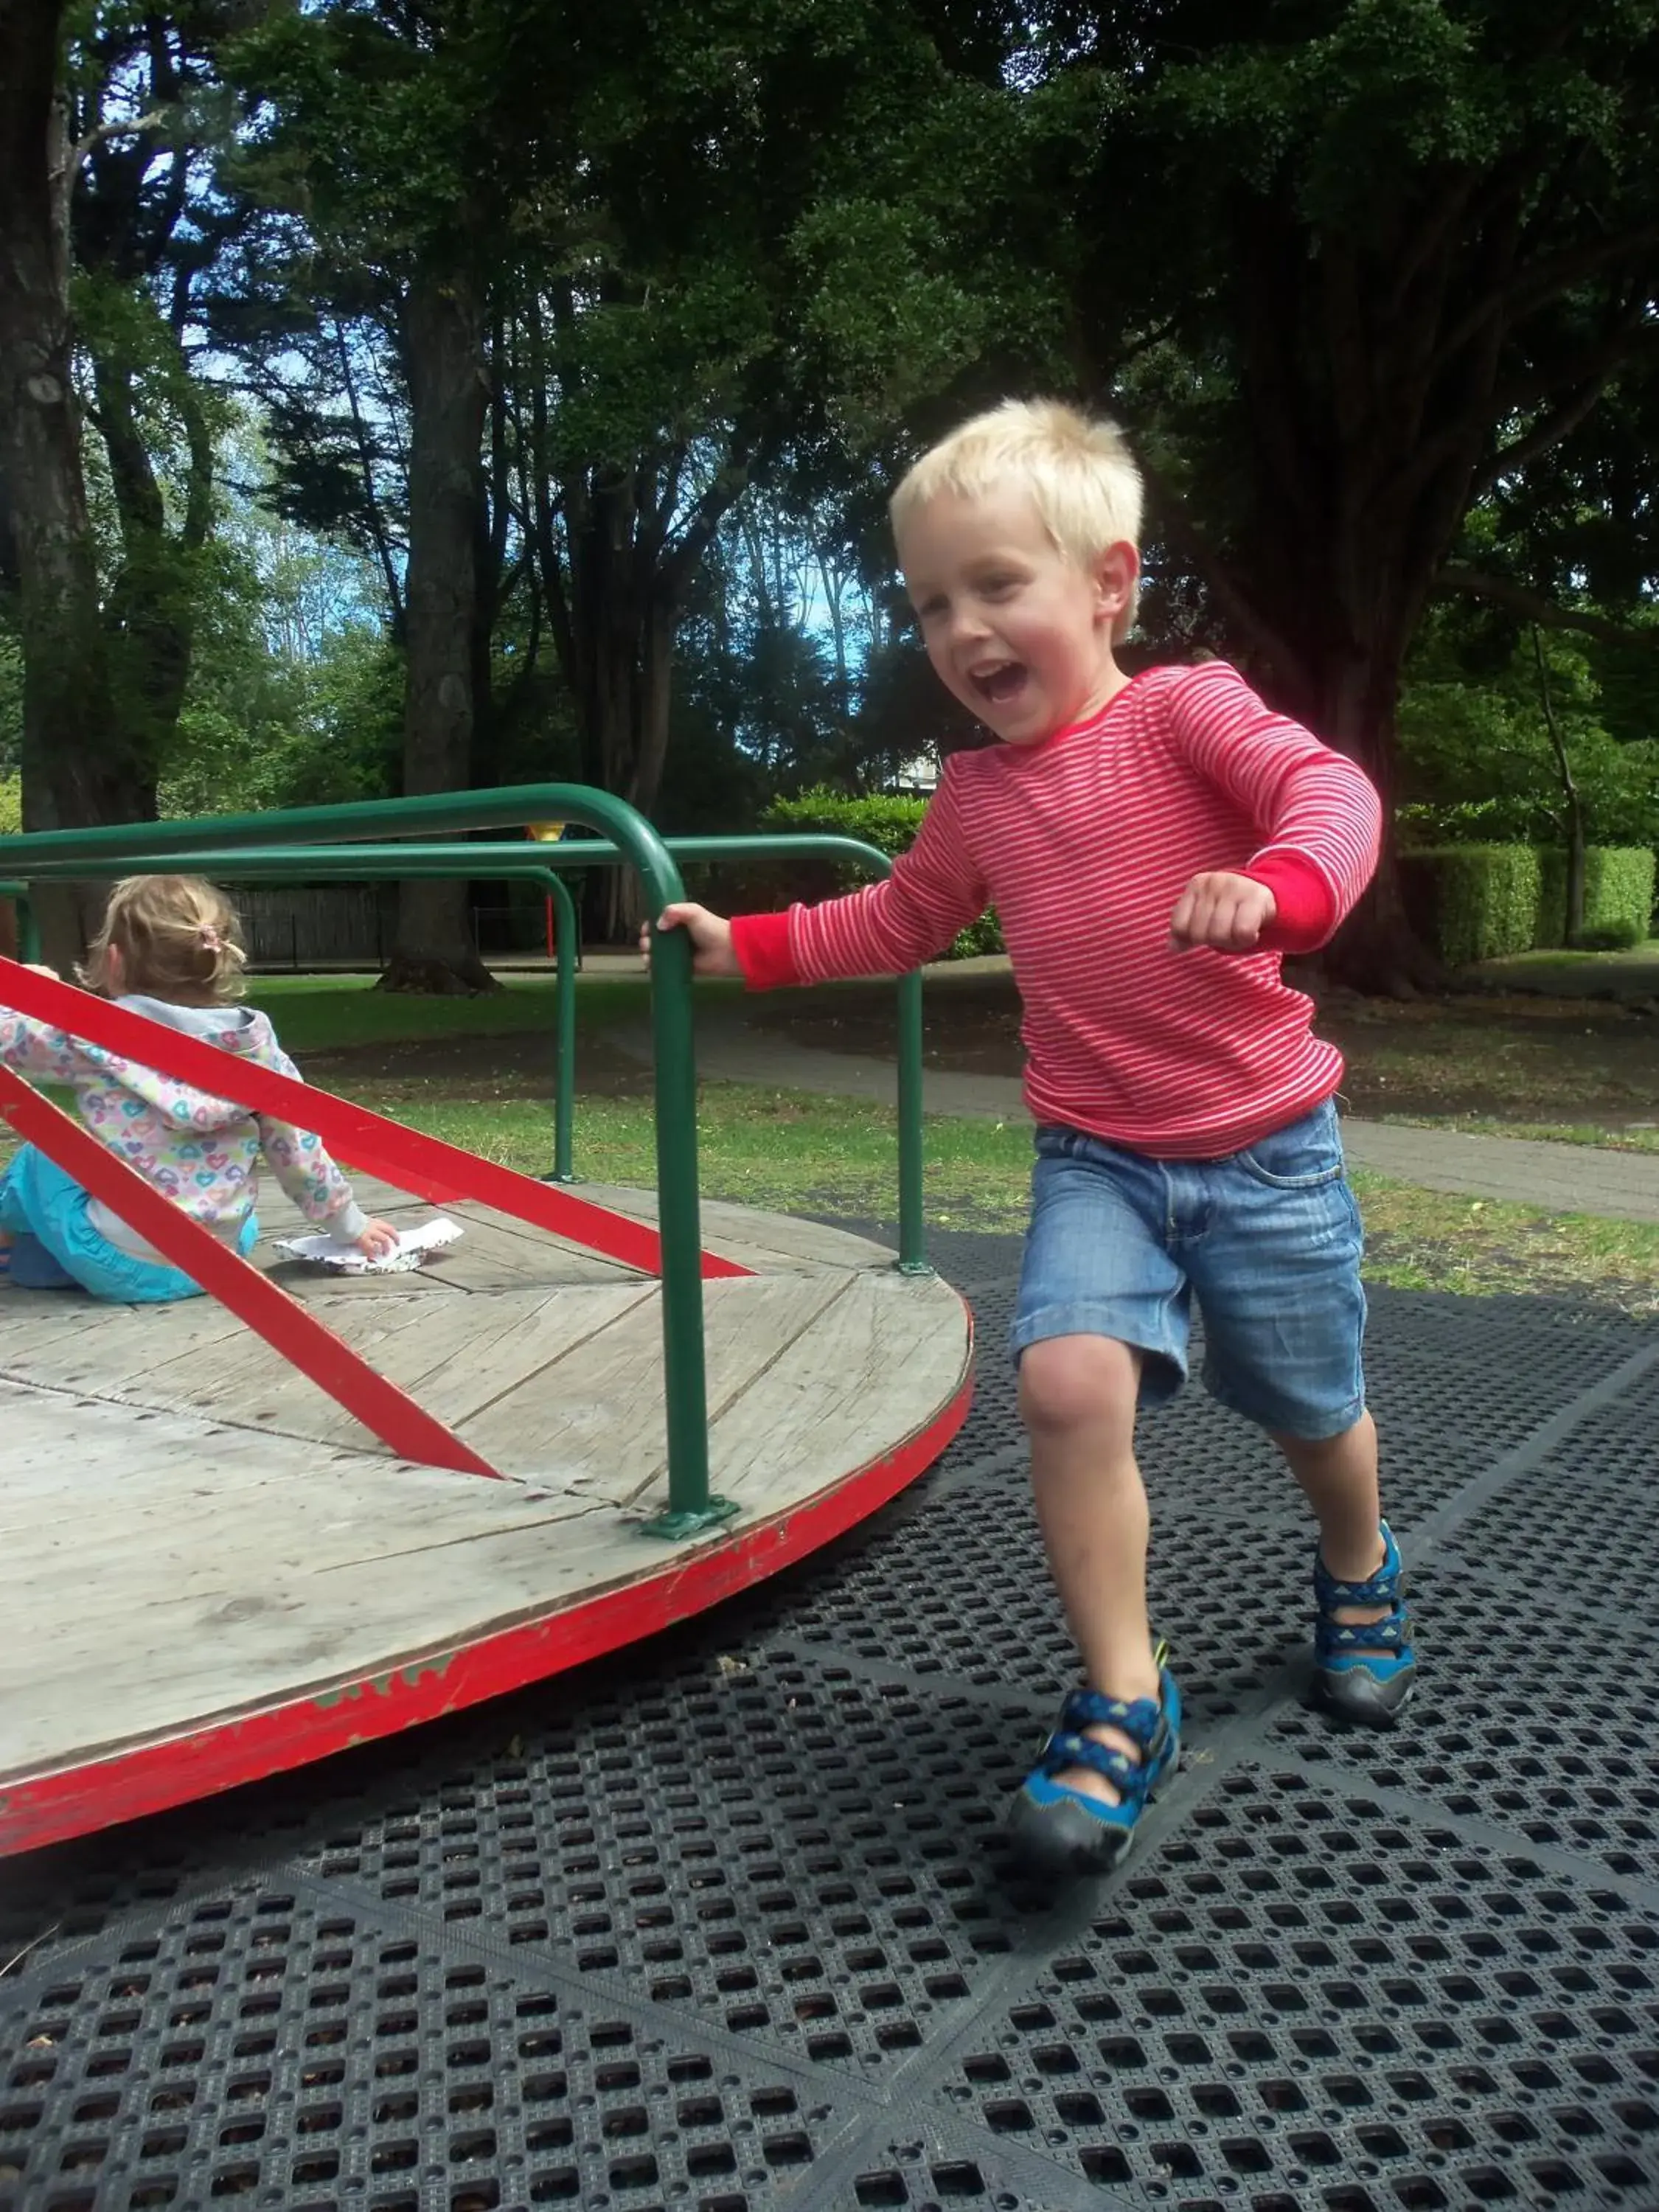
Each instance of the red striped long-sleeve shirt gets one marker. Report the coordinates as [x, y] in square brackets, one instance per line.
[1084, 845]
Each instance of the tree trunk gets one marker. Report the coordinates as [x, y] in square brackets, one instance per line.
[615, 576]
[655, 697]
[614, 607]
[600, 624]
[150, 621]
[71, 756]
[832, 582]
[1368, 371]
[1378, 949]
[637, 747]
[1572, 797]
[442, 333]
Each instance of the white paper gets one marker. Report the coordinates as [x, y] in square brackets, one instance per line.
[413, 1246]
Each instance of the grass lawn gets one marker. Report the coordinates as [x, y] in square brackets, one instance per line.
[1633, 973]
[477, 1072]
[798, 1151]
[318, 1013]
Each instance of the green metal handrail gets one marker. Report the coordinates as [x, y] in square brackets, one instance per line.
[785, 844]
[287, 865]
[214, 845]
[28, 928]
[495, 857]
[685, 1372]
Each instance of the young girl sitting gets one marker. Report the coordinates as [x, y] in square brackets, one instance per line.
[169, 948]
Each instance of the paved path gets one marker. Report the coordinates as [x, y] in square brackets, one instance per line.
[1562, 1178]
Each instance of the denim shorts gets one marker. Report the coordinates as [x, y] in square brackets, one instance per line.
[1268, 1240]
[37, 1197]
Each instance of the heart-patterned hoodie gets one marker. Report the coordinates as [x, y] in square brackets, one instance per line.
[201, 1151]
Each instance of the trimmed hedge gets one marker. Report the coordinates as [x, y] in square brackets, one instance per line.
[885, 819]
[1475, 902]
[1619, 885]
[1481, 902]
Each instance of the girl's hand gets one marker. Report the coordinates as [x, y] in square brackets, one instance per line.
[35, 969]
[710, 935]
[378, 1240]
[1228, 913]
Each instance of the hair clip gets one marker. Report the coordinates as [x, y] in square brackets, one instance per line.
[209, 939]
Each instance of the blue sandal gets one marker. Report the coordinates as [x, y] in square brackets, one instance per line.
[1060, 1832]
[1365, 1670]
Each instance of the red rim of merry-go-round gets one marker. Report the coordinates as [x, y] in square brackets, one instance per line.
[226, 1752]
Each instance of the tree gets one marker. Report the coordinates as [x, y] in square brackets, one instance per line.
[665, 366]
[1508, 732]
[45, 542]
[1396, 252]
[381, 140]
[442, 333]
[296, 692]
[104, 222]
[145, 102]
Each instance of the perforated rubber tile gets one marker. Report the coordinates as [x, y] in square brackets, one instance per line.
[726, 1924]
[1298, 1994]
[270, 2046]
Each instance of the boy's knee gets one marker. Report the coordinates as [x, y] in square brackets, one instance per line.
[1072, 1383]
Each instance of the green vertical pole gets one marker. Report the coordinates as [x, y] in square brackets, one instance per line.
[679, 1218]
[913, 1233]
[29, 929]
[564, 1081]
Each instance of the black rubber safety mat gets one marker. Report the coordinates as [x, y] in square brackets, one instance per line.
[726, 1924]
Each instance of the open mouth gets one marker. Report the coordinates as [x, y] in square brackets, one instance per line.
[1000, 686]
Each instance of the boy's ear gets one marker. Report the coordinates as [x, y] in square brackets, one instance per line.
[1115, 571]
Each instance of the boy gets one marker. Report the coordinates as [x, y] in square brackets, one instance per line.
[1152, 847]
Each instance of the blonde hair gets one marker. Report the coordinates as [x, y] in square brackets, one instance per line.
[178, 939]
[1077, 469]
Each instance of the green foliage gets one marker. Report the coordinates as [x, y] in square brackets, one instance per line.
[742, 252]
[1612, 937]
[1619, 882]
[1476, 760]
[755, 710]
[257, 732]
[295, 693]
[11, 806]
[11, 702]
[1618, 892]
[1475, 902]
[886, 820]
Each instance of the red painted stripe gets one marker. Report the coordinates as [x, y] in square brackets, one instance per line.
[286, 1326]
[414, 1162]
[424, 1687]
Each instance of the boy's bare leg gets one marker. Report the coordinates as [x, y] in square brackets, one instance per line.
[1338, 1478]
[1077, 1398]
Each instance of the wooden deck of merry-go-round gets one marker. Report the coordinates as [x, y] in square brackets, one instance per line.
[209, 1570]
